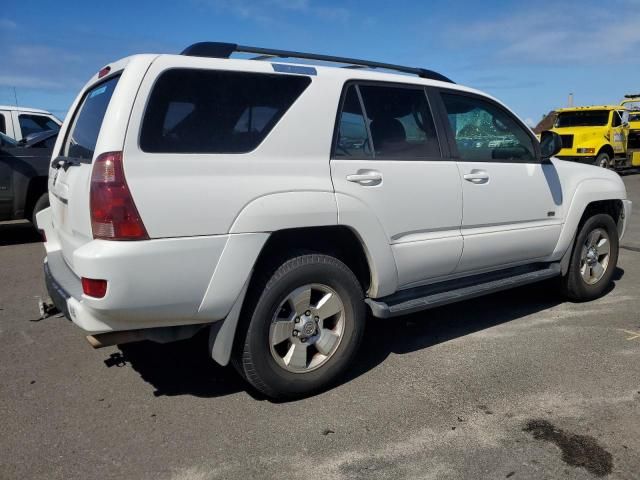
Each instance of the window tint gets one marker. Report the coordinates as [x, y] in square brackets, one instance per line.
[353, 140]
[35, 124]
[3, 125]
[400, 122]
[83, 135]
[204, 111]
[485, 132]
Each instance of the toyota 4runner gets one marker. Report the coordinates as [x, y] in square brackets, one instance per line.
[276, 204]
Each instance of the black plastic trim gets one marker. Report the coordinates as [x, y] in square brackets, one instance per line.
[225, 50]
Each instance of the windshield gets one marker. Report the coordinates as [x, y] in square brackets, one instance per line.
[83, 136]
[585, 118]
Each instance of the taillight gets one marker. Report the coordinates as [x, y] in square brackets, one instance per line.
[94, 288]
[114, 215]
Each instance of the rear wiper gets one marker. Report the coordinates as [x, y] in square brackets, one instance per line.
[65, 163]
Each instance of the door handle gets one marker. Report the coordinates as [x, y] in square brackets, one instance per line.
[477, 177]
[367, 178]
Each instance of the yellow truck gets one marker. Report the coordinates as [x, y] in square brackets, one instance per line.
[595, 134]
[631, 118]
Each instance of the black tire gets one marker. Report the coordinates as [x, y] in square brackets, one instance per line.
[253, 357]
[573, 284]
[41, 204]
[603, 160]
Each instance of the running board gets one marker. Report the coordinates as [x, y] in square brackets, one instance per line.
[431, 296]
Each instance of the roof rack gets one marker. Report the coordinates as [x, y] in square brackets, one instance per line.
[224, 50]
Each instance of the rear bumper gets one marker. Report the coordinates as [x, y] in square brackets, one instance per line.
[151, 283]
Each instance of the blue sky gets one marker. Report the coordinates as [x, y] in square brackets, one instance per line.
[528, 54]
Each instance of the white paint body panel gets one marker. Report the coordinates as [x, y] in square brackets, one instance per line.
[419, 206]
[515, 216]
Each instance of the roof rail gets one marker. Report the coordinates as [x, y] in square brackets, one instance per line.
[224, 50]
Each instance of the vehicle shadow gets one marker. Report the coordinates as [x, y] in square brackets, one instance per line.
[184, 368]
[14, 233]
[629, 171]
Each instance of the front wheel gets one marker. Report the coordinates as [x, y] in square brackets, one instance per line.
[603, 160]
[593, 260]
[302, 327]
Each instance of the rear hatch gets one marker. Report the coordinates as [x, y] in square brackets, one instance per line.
[70, 173]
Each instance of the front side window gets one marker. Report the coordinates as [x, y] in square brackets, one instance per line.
[617, 119]
[400, 122]
[209, 111]
[484, 132]
[83, 135]
[353, 139]
[35, 124]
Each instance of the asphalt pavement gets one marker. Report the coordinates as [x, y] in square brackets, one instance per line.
[517, 385]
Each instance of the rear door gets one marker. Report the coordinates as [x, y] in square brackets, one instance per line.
[70, 175]
[513, 203]
[387, 155]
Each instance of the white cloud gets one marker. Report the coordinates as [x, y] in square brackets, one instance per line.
[594, 35]
[270, 11]
[6, 24]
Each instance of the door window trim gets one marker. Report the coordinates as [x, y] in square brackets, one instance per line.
[377, 83]
[450, 135]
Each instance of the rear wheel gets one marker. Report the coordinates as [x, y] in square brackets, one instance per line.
[603, 160]
[41, 204]
[593, 260]
[302, 327]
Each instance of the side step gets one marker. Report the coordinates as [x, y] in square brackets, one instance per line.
[436, 295]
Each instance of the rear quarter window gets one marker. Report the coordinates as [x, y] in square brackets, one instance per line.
[209, 111]
[83, 135]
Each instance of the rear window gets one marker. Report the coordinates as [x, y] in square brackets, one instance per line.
[205, 111]
[83, 135]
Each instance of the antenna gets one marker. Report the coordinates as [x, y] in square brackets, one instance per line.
[15, 96]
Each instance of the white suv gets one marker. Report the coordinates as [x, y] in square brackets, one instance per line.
[276, 204]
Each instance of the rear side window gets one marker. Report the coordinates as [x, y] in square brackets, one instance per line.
[35, 124]
[208, 111]
[353, 139]
[83, 134]
[3, 124]
[400, 122]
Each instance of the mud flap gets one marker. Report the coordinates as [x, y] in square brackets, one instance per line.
[222, 333]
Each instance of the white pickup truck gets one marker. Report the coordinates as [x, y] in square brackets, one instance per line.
[20, 122]
[277, 204]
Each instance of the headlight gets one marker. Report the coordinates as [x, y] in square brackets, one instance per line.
[586, 150]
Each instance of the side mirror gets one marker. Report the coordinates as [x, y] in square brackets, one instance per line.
[550, 144]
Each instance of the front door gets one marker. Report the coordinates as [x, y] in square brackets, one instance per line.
[387, 157]
[512, 201]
